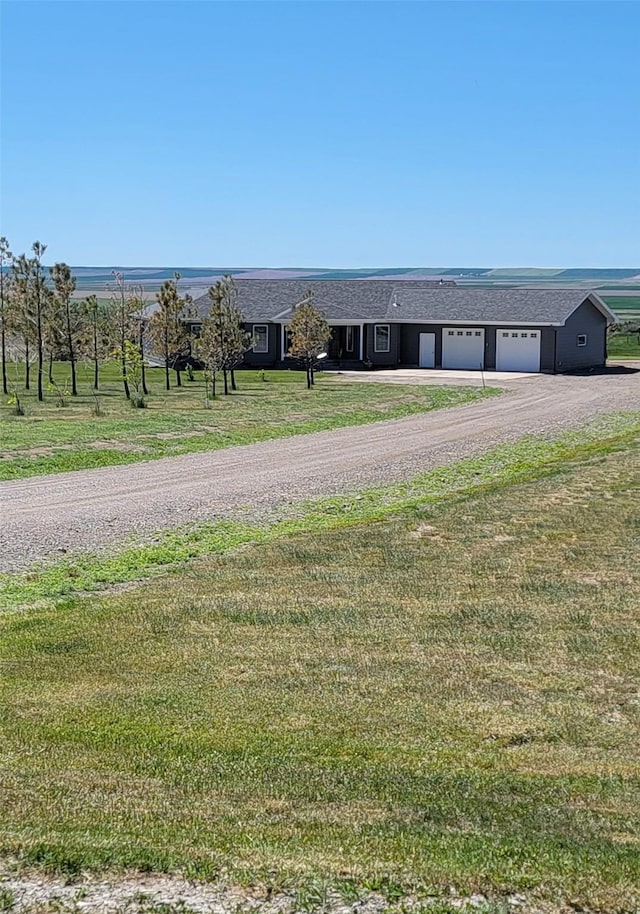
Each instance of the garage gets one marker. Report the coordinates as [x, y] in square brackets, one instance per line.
[517, 350]
[463, 347]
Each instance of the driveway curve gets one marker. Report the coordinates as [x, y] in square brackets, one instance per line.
[89, 509]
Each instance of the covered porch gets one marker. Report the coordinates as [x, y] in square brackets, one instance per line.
[345, 347]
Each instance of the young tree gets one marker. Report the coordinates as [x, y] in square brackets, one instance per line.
[237, 339]
[92, 342]
[123, 308]
[141, 326]
[18, 322]
[310, 333]
[5, 259]
[38, 300]
[224, 328]
[209, 350]
[64, 283]
[166, 328]
[54, 332]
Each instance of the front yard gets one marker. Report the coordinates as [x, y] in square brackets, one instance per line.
[271, 404]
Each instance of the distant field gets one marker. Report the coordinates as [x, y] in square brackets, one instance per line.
[627, 307]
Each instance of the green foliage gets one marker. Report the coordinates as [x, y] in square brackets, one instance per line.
[168, 332]
[309, 334]
[134, 360]
[223, 340]
[61, 392]
[7, 899]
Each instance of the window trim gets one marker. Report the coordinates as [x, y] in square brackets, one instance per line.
[377, 327]
[584, 337]
[266, 341]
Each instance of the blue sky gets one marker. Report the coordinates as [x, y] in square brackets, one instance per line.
[332, 134]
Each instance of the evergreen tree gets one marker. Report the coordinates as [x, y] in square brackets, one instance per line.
[64, 283]
[310, 333]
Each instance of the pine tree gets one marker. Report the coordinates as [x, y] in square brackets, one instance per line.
[64, 283]
[310, 333]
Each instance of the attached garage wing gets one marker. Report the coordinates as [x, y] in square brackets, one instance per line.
[463, 347]
[517, 350]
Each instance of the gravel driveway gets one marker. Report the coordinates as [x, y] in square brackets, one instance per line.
[88, 509]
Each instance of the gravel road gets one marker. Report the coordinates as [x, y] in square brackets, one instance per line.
[43, 517]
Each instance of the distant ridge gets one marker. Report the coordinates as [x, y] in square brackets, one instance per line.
[614, 279]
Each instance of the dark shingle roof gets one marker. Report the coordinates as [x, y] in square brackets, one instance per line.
[478, 306]
[420, 300]
[338, 299]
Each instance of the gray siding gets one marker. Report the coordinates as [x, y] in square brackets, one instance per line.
[263, 359]
[410, 343]
[569, 356]
[382, 358]
[548, 349]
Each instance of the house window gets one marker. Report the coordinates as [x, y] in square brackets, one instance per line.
[469, 332]
[534, 336]
[349, 339]
[382, 335]
[478, 332]
[450, 332]
[582, 339]
[260, 338]
[505, 335]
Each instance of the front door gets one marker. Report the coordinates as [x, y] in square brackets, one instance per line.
[427, 350]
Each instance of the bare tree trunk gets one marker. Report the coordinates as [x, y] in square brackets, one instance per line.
[96, 378]
[51, 368]
[143, 371]
[178, 377]
[123, 367]
[233, 380]
[40, 354]
[5, 386]
[213, 386]
[167, 379]
[72, 355]
[27, 366]
[309, 381]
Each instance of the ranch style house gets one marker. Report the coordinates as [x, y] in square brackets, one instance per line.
[422, 324]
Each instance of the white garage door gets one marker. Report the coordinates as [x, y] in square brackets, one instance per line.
[462, 347]
[517, 350]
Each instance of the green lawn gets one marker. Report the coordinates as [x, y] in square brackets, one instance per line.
[446, 696]
[623, 345]
[53, 439]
